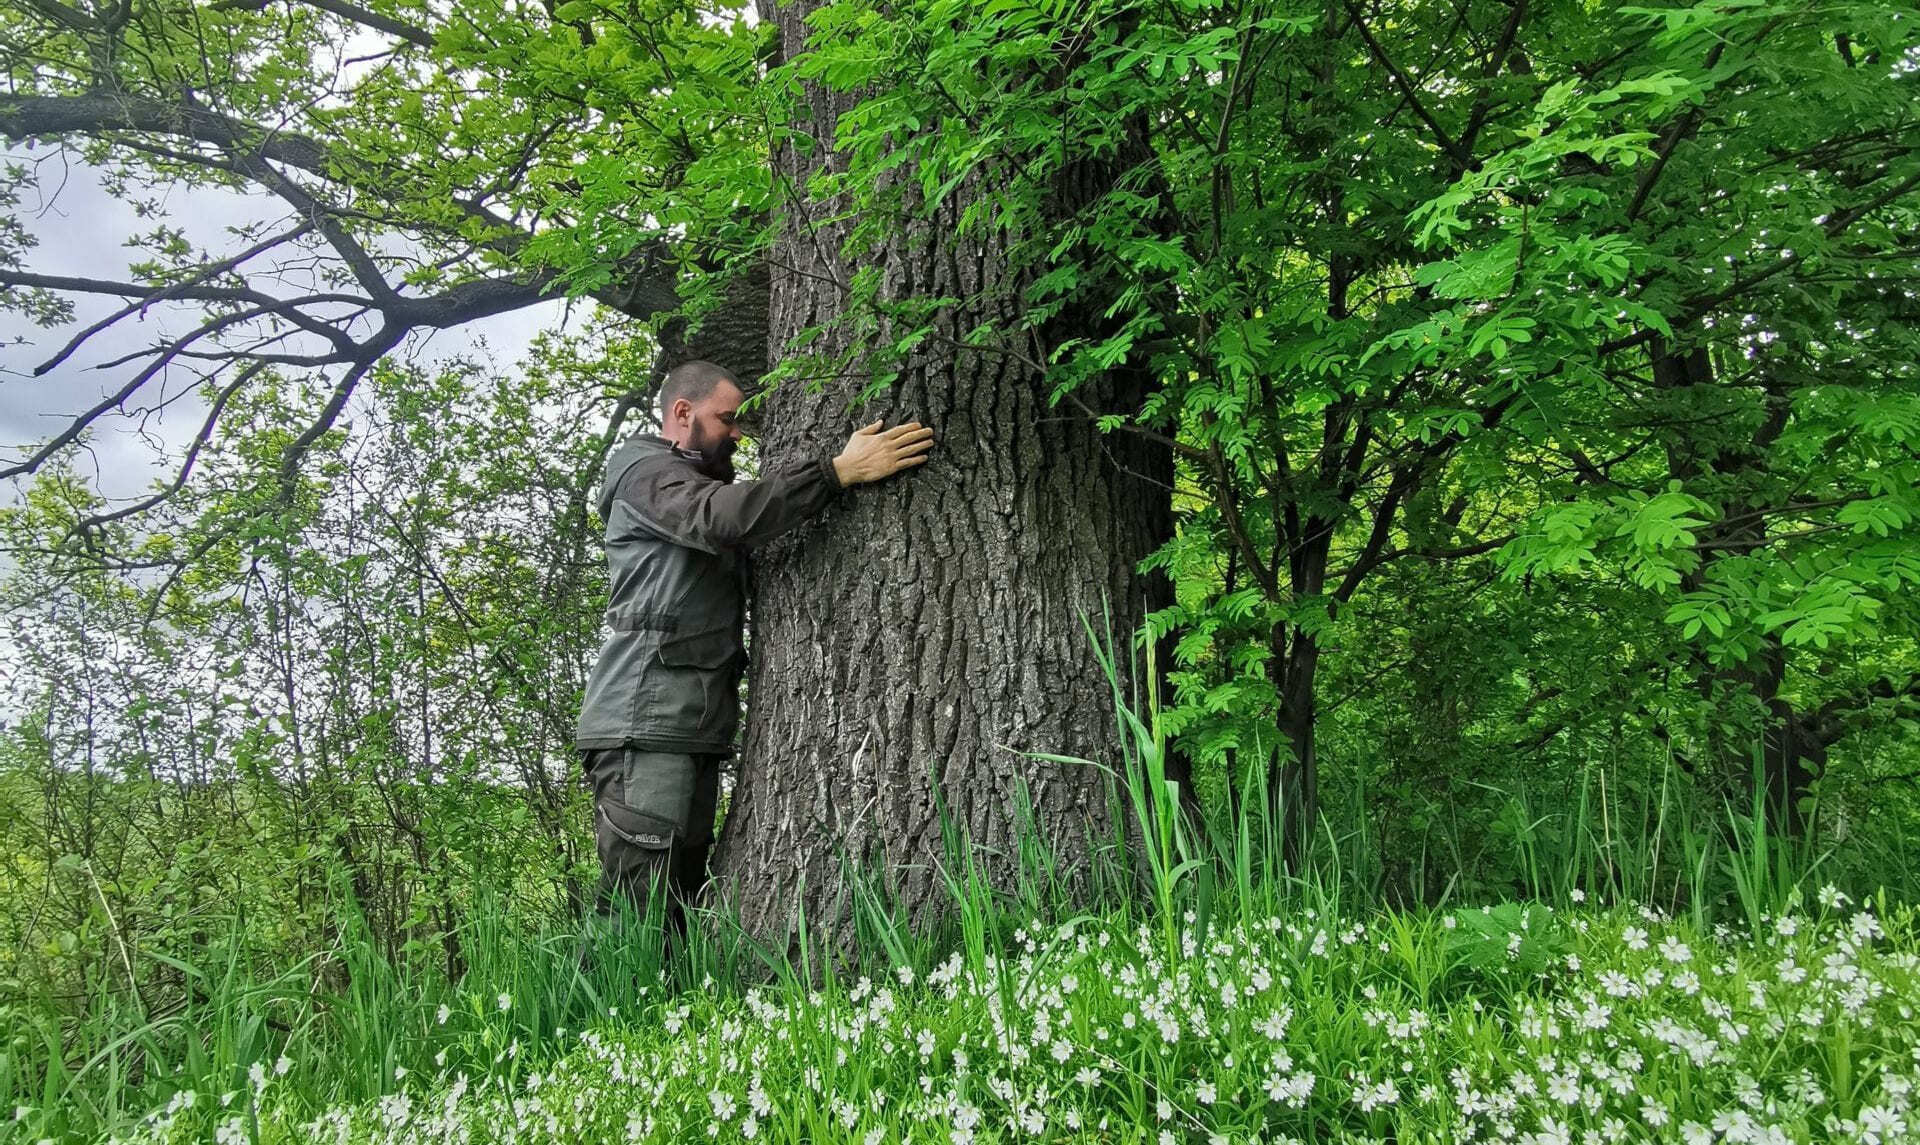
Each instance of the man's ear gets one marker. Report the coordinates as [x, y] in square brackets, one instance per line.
[681, 408]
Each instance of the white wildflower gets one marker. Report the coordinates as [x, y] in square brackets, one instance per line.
[1372, 1097]
[1275, 1025]
[1881, 1125]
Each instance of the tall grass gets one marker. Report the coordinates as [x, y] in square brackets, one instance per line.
[346, 1024]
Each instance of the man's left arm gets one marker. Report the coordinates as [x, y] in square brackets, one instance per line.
[693, 509]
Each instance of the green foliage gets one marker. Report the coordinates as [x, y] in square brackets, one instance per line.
[1509, 939]
[1541, 379]
[1418, 293]
[1572, 292]
[348, 709]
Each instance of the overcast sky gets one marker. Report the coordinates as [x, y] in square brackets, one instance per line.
[83, 232]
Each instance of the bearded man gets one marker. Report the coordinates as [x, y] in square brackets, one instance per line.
[662, 701]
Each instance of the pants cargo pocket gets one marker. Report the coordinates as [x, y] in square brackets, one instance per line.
[656, 788]
[642, 801]
[635, 828]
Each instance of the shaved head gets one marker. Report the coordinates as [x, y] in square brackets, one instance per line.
[695, 381]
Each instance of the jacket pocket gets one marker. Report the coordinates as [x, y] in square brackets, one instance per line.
[698, 678]
[709, 650]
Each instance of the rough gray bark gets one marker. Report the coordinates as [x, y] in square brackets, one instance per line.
[928, 630]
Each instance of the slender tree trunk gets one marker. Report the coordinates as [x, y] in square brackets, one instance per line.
[925, 633]
[1790, 749]
[1297, 787]
[1294, 779]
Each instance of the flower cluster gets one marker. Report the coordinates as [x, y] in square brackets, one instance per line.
[1304, 1027]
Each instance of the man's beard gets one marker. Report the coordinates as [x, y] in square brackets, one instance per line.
[716, 457]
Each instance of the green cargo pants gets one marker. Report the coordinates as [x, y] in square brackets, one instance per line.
[653, 827]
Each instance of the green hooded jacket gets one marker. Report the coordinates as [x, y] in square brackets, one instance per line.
[668, 676]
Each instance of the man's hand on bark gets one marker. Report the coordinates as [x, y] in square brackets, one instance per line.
[873, 453]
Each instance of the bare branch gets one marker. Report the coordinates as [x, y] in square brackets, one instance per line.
[472, 300]
[169, 291]
[67, 17]
[78, 425]
[646, 286]
[100, 520]
[282, 162]
[147, 294]
[263, 304]
[27, 117]
[351, 12]
[291, 456]
[325, 220]
[1702, 304]
[1460, 158]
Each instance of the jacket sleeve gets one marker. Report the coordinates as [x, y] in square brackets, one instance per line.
[690, 508]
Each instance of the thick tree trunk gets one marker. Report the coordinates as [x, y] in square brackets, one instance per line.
[928, 631]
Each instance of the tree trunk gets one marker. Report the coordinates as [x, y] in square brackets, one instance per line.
[1293, 779]
[924, 633]
[1295, 782]
[1790, 749]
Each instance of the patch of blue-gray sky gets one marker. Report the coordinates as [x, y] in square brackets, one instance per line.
[83, 231]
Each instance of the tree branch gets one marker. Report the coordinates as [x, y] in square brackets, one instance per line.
[353, 13]
[100, 520]
[169, 291]
[296, 450]
[1230, 513]
[1440, 135]
[1702, 304]
[263, 304]
[1483, 104]
[645, 286]
[645, 283]
[365, 271]
[1371, 557]
[27, 117]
